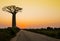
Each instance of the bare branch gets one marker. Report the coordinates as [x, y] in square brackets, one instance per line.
[6, 9]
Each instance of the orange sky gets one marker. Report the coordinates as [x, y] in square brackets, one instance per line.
[35, 13]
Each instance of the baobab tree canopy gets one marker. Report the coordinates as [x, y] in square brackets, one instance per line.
[12, 9]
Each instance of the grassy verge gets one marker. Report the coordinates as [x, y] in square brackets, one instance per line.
[55, 33]
[7, 34]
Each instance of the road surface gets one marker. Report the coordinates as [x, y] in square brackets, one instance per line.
[30, 36]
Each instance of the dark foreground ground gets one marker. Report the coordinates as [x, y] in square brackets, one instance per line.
[30, 36]
[15, 34]
[8, 33]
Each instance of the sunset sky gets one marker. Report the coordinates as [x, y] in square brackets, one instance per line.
[35, 13]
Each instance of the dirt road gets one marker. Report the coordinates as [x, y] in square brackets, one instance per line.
[30, 36]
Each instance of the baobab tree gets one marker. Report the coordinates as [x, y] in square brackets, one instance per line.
[13, 10]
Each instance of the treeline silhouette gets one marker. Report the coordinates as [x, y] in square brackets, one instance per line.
[8, 33]
[49, 31]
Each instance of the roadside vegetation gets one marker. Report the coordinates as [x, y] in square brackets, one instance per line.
[8, 33]
[49, 31]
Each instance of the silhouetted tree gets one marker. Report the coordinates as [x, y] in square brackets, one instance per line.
[49, 28]
[13, 10]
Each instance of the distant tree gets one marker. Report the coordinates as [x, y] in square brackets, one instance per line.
[13, 10]
[49, 28]
[56, 28]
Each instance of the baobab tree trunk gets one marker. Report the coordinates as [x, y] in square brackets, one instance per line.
[13, 20]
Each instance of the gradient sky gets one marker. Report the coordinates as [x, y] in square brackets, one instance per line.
[35, 13]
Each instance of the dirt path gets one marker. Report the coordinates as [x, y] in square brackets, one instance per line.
[30, 36]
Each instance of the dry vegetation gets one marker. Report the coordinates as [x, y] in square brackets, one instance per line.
[52, 32]
[7, 34]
